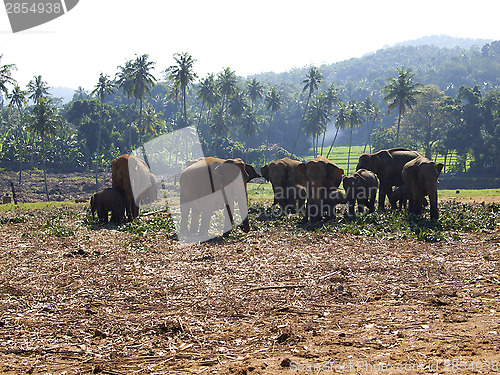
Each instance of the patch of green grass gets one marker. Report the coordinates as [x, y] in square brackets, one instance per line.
[38, 205]
[469, 193]
[454, 217]
[150, 225]
[59, 228]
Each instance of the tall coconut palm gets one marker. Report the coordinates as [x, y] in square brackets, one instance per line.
[331, 99]
[151, 123]
[207, 93]
[104, 87]
[37, 88]
[355, 119]
[143, 80]
[402, 93]
[125, 82]
[227, 86]
[6, 77]
[341, 122]
[315, 122]
[372, 112]
[44, 120]
[255, 91]
[313, 79]
[182, 74]
[274, 103]
[17, 98]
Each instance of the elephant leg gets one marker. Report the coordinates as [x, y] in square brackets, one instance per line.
[433, 200]
[185, 208]
[383, 192]
[195, 219]
[206, 217]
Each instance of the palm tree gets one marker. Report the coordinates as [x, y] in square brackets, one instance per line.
[372, 112]
[44, 120]
[315, 122]
[6, 77]
[402, 93]
[355, 119]
[311, 84]
[151, 123]
[80, 94]
[207, 93]
[143, 80]
[182, 74]
[37, 88]
[274, 103]
[250, 124]
[17, 98]
[125, 82]
[331, 98]
[237, 105]
[218, 126]
[227, 86]
[341, 122]
[104, 87]
[255, 90]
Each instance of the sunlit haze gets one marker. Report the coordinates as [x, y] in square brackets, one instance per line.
[249, 37]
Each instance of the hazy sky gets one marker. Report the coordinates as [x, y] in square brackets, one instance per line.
[247, 36]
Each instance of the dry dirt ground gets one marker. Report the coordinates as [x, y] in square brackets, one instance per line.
[80, 299]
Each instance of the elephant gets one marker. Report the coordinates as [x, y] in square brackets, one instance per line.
[131, 176]
[288, 182]
[323, 177]
[420, 176]
[387, 165]
[108, 200]
[209, 185]
[361, 187]
[399, 197]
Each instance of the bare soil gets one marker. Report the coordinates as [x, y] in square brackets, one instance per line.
[82, 299]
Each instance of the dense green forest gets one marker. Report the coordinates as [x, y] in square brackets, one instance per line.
[436, 100]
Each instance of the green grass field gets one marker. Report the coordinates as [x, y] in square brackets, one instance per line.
[264, 192]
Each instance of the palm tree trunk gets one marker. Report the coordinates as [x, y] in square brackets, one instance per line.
[397, 132]
[98, 145]
[267, 140]
[334, 139]
[300, 126]
[184, 105]
[323, 142]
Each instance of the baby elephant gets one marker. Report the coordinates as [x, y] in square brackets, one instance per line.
[399, 197]
[361, 187]
[108, 200]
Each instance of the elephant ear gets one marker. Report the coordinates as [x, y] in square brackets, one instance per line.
[439, 168]
[301, 171]
[335, 174]
[230, 169]
[251, 172]
[265, 172]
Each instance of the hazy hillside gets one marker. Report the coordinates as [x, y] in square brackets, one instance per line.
[445, 41]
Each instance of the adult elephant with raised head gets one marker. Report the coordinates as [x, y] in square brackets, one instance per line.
[133, 179]
[421, 178]
[212, 184]
[288, 182]
[387, 165]
[323, 179]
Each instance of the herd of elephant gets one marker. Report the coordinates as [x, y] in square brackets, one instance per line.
[310, 188]
[399, 174]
